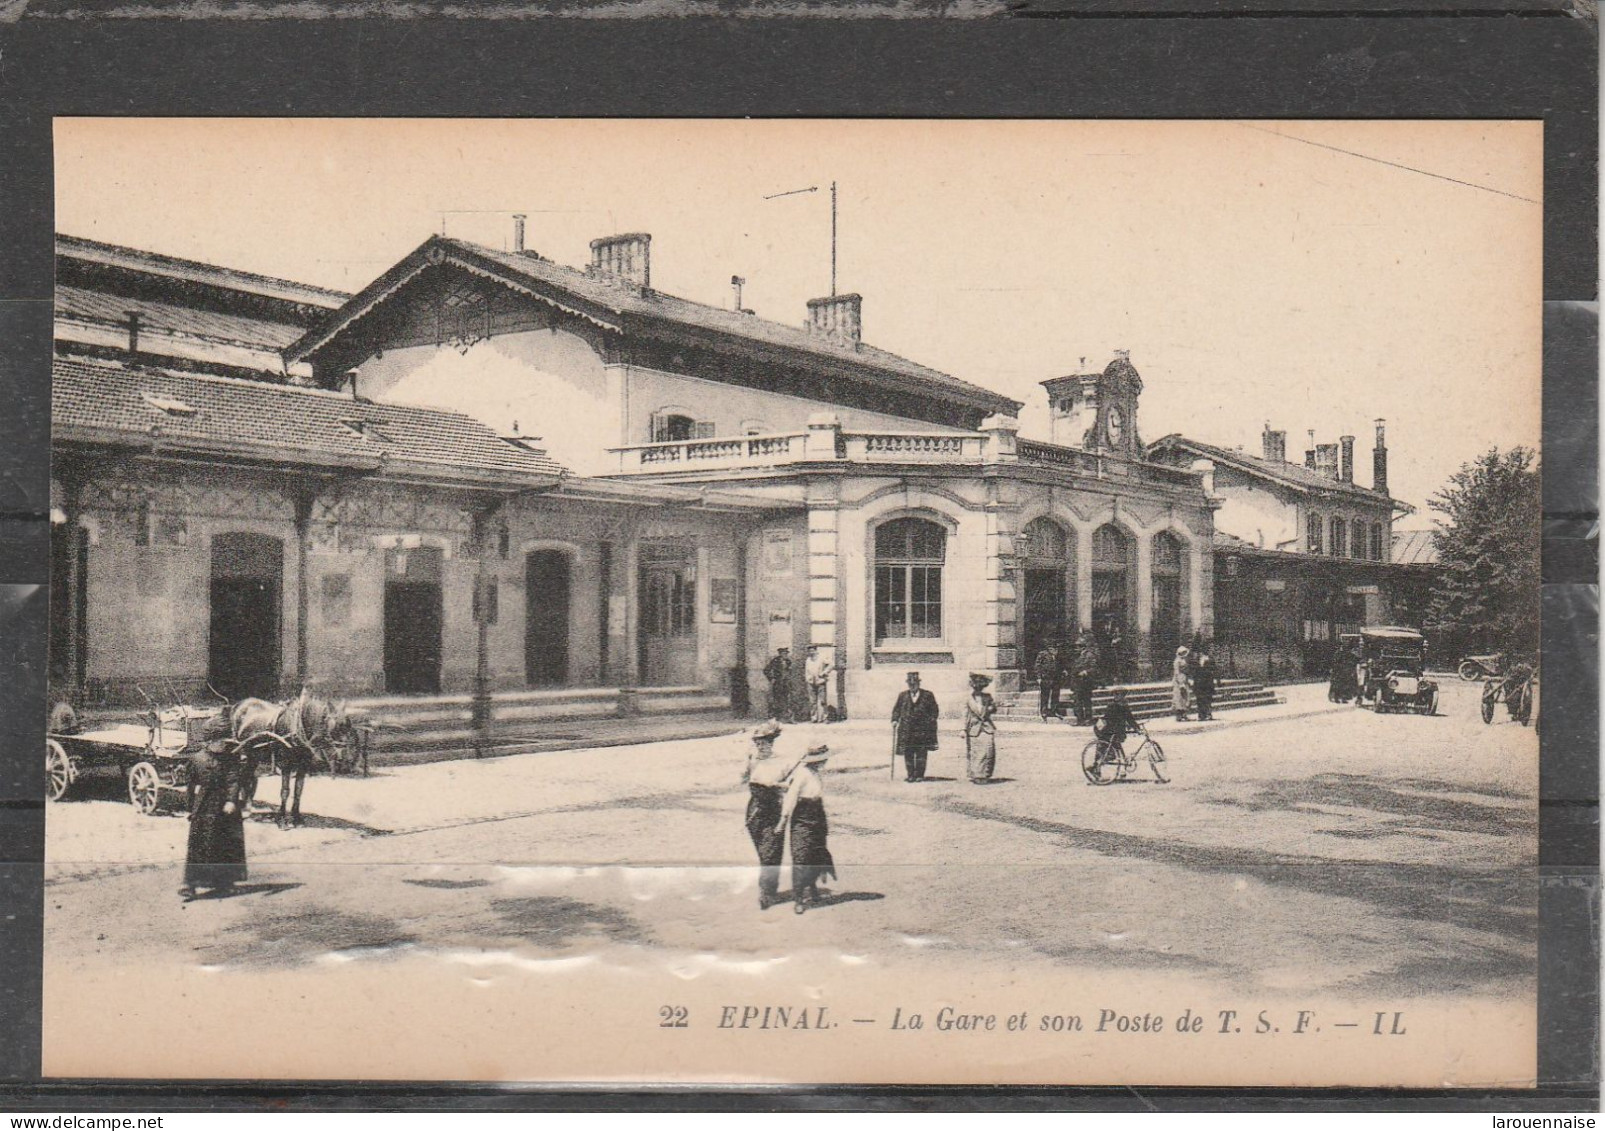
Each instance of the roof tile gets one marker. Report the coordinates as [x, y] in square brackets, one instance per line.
[114, 398]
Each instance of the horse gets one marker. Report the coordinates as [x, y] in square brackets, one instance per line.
[311, 728]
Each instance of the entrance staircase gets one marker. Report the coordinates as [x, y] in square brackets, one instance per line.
[1146, 700]
[414, 725]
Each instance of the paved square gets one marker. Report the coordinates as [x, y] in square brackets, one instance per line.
[1305, 850]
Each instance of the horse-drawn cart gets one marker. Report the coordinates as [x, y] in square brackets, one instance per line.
[152, 756]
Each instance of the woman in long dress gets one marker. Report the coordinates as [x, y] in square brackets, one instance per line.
[1180, 682]
[980, 731]
[804, 813]
[222, 772]
[766, 784]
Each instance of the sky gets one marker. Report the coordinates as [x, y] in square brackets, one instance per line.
[1302, 274]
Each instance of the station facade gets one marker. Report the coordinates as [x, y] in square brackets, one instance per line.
[491, 469]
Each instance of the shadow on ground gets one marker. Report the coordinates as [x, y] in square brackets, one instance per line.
[555, 921]
[1412, 801]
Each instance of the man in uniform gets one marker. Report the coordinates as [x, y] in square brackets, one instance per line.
[914, 727]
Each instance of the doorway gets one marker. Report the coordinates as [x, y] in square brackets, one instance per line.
[668, 610]
[1044, 599]
[245, 639]
[1168, 564]
[1043, 615]
[546, 615]
[413, 616]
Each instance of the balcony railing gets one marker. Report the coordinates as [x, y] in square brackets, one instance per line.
[778, 448]
[829, 442]
[697, 455]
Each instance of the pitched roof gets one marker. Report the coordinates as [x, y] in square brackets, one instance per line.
[612, 303]
[1292, 475]
[112, 403]
[194, 271]
[86, 305]
[1415, 547]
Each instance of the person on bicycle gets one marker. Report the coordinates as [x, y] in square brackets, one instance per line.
[1116, 723]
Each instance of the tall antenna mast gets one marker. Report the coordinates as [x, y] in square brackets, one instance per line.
[832, 239]
[815, 188]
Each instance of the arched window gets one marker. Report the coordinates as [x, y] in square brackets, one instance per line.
[909, 553]
[1340, 537]
[1357, 533]
[1044, 541]
[1111, 580]
[1376, 542]
[1312, 534]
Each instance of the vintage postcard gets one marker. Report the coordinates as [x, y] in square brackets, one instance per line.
[784, 602]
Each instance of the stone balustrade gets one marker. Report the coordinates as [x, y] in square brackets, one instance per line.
[826, 441]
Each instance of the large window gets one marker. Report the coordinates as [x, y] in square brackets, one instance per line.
[909, 553]
[1340, 537]
[1357, 539]
[1111, 580]
[1312, 534]
[1376, 541]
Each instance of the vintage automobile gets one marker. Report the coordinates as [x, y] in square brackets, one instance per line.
[1392, 671]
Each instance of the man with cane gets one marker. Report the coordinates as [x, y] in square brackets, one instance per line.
[913, 728]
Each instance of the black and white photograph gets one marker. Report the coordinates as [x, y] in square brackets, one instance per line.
[782, 602]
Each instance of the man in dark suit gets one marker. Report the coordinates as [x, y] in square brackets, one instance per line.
[1084, 677]
[778, 672]
[914, 727]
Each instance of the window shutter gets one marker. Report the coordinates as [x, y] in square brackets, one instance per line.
[654, 429]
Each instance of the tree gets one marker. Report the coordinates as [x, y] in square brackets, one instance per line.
[1489, 539]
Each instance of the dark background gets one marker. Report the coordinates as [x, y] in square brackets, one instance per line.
[1043, 58]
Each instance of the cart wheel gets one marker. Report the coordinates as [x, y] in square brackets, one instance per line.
[144, 788]
[1524, 713]
[1489, 694]
[1099, 770]
[1470, 671]
[58, 771]
[1432, 705]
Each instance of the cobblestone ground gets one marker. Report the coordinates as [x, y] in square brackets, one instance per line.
[1302, 849]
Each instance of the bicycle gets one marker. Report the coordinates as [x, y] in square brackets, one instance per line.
[1105, 763]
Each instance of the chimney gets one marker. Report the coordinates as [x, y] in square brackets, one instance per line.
[1379, 461]
[627, 257]
[737, 282]
[518, 232]
[1326, 460]
[839, 318]
[1274, 445]
[133, 332]
[1346, 459]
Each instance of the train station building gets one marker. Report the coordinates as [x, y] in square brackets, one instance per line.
[558, 482]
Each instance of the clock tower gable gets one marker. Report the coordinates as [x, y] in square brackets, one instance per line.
[1097, 411]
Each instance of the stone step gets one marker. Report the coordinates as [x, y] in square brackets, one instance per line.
[1146, 700]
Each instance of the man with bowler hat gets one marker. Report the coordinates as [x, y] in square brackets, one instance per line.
[914, 727]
